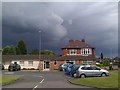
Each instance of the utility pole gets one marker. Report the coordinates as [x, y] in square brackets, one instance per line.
[39, 49]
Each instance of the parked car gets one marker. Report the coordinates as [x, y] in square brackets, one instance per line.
[68, 69]
[62, 67]
[74, 69]
[14, 67]
[2, 67]
[89, 70]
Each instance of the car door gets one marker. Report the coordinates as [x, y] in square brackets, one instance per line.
[97, 71]
[88, 71]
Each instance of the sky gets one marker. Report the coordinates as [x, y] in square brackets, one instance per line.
[96, 22]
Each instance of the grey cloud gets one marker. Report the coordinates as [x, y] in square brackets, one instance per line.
[59, 22]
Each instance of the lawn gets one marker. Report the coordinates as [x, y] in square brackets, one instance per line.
[9, 79]
[99, 82]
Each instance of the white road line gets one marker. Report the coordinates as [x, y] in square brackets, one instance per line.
[38, 76]
[42, 80]
[35, 87]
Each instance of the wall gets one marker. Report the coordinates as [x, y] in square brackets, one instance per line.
[41, 64]
[58, 62]
[26, 66]
[64, 51]
[6, 64]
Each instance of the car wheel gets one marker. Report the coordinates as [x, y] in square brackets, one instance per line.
[103, 74]
[74, 75]
[10, 69]
[82, 76]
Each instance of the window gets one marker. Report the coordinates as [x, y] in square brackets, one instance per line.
[70, 61]
[86, 51]
[87, 62]
[96, 68]
[83, 68]
[30, 63]
[55, 62]
[22, 63]
[73, 52]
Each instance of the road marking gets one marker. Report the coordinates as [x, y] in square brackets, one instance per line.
[42, 80]
[9, 72]
[35, 87]
[38, 76]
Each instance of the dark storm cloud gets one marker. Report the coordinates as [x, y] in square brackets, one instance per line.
[59, 22]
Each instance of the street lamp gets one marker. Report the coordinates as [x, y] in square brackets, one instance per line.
[39, 48]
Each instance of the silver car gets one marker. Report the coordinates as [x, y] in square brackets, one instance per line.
[90, 70]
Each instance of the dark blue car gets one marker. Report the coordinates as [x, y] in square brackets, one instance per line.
[68, 69]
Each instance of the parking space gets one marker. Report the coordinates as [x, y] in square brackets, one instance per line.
[43, 79]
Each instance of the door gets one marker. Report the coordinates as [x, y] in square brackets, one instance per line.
[46, 65]
[97, 71]
[89, 71]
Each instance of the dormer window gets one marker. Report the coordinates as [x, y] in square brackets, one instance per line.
[73, 52]
[86, 51]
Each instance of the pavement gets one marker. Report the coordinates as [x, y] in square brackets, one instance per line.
[43, 79]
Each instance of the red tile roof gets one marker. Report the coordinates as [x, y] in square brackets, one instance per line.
[77, 44]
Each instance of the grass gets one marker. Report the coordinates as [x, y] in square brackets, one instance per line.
[99, 82]
[9, 79]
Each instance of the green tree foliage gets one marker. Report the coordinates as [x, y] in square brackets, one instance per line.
[9, 50]
[21, 45]
[5, 50]
[17, 50]
[106, 62]
[35, 52]
[47, 52]
[101, 56]
[42, 52]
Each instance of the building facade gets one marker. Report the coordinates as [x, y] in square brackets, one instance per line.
[75, 52]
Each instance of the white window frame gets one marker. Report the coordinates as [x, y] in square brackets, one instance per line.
[73, 50]
[22, 64]
[29, 63]
[87, 62]
[86, 51]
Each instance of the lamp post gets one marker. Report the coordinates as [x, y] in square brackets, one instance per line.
[39, 48]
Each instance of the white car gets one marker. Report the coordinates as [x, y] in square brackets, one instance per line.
[90, 70]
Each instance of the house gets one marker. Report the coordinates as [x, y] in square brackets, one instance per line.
[75, 51]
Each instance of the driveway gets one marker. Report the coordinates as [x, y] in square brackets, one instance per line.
[43, 79]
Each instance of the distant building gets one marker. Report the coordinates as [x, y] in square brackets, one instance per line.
[75, 52]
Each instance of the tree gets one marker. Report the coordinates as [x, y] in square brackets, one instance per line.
[17, 50]
[47, 52]
[101, 56]
[5, 50]
[42, 52]
[21, 45]
[106, 62]
[9, 50]
[35, 52]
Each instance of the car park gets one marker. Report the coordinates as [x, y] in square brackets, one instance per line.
[74, 69]
[89, 70]
[14, 67]
[68, 69]
[62, 67]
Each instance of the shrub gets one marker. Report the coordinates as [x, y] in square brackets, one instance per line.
[99, 65]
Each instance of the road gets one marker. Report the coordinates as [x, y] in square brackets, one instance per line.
[43, 79]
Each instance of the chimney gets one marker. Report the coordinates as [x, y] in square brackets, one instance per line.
[82, 40]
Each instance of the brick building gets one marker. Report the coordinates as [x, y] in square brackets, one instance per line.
[75, 51]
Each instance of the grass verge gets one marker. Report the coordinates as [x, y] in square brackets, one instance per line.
[9, 79]
[99, 82]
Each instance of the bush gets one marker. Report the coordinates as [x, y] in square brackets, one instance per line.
[106, 62]
[99, 65]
